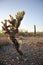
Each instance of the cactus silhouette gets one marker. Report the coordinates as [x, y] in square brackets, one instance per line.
[35, 30]
[12, 28]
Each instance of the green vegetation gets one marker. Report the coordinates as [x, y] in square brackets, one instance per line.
[24, 34]
[3, 35]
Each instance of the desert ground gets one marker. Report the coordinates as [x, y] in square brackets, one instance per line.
[32, 48]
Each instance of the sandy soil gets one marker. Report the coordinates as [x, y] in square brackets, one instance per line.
[32, 48]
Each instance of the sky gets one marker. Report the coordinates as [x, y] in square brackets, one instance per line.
[33, 13]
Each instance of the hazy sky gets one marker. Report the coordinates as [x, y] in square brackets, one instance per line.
[33, 12]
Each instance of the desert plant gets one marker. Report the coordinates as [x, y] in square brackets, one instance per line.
[34, 29]
[12, 28]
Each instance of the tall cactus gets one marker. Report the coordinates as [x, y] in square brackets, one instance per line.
[12, 28]
[34, 29]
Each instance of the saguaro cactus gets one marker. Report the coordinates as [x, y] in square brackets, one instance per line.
[12, 28]
[34, 29]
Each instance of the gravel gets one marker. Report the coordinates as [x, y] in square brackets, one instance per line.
[32, 53]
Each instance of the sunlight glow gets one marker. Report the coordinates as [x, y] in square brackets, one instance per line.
[0, 25]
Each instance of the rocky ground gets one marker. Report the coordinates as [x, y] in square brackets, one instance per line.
[32, 48]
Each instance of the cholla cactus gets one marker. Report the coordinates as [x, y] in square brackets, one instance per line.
[19, 16]
[12, 28]
[14, 23]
